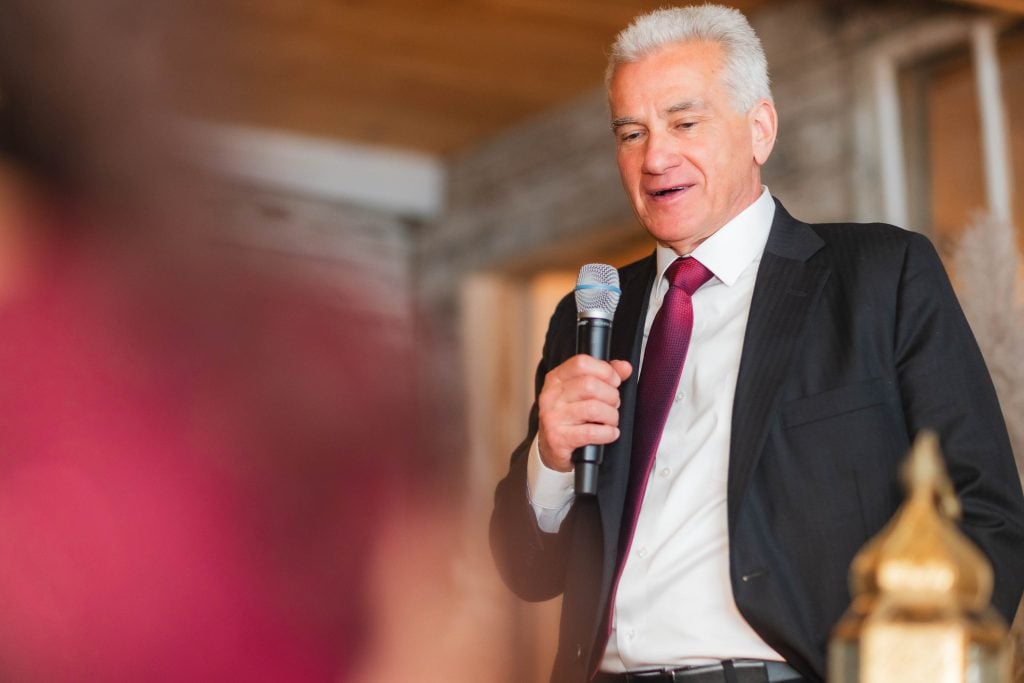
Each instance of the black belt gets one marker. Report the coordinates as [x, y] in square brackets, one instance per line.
[729, 671]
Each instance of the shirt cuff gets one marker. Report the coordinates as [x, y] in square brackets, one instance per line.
[549, 489]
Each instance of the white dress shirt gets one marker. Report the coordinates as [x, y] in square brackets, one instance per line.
[674, 605]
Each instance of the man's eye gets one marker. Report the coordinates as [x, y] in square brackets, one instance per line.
[686, 125]
[630, 136]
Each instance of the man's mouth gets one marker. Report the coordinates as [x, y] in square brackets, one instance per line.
[668, 191]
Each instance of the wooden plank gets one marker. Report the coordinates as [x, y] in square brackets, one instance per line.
[1013, 6]
[435, 75]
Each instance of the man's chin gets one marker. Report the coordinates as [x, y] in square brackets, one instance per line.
[680, 238]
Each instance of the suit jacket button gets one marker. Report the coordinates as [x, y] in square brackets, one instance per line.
[579, 652]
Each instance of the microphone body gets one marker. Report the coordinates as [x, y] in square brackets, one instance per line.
[597, 296]
[593, 337]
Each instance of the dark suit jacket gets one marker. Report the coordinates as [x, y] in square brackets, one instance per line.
[854, 343]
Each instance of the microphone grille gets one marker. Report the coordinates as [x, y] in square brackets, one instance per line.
[597, 291]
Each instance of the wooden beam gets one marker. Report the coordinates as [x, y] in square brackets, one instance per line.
[431, 75]
[1014, 6]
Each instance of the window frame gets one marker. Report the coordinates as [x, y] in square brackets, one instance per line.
[880, 126]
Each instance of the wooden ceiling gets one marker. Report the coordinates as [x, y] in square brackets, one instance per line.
[434, 76]
[428, 75]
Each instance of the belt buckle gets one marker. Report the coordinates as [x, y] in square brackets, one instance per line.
[742, 671]
[651, 676]
[698, 674]
[738, 670]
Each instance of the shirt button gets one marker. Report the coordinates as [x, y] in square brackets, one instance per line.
[642, 552]
[680, 396]
[665, 471]
[631, 635]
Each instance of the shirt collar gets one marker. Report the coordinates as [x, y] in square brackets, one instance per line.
[732, 247]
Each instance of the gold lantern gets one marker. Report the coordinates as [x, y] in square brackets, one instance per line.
[920, 611]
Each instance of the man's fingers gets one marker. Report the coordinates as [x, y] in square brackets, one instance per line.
[591, 412]
[582, 378]
[582, 365]
[588, 388]
[579, 405]
[556, 448]
[591, 433]
[623, 368]
[560, 417]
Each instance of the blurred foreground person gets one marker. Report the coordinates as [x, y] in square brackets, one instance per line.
[194, 456]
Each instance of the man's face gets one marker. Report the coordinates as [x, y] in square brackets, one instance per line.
[688, 160]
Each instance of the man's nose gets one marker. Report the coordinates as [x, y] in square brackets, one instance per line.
[660, 154]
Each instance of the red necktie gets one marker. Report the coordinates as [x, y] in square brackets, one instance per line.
[667, 343]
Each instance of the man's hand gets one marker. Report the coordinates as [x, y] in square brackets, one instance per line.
[579, 405]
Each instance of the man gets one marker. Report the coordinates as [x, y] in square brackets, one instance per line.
[735, 492]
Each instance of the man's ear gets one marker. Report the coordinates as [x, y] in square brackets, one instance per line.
[764, 125]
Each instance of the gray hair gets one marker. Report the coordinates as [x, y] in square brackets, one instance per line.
[746, 69]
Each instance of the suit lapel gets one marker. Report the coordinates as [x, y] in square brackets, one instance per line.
[787, 288]
[627, 337]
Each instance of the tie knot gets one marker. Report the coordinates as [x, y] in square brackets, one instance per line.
[688, 274]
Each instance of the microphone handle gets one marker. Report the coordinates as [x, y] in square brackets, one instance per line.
[593, 337]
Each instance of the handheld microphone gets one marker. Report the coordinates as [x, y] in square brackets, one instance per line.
[597, 297]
